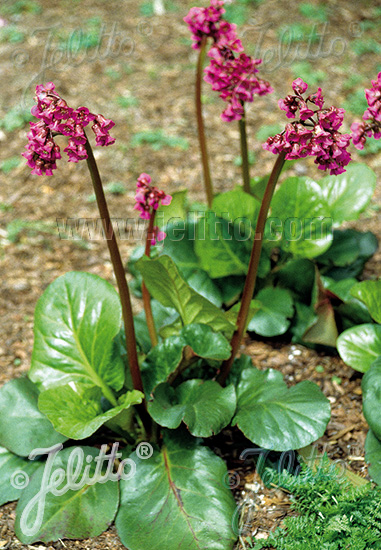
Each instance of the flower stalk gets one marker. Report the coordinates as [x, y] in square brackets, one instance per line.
[244, 152]
[146, 295]
[200, 124]
[124, 292]
[251, 277]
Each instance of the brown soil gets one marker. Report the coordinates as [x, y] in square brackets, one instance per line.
[150, 60]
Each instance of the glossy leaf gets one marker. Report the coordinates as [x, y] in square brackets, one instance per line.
[165, 214]
[75, 514]
[349, 193]
[163, 316]
[205, 342]
[275, 310]
[166, 285]
[178, 499]
[164, 360]
[235, 205]
[276, 417]
[200, 281]
[371, 389]
[221, 250]
[23, 427]
[373, 456]
[360, 346]
[348, 253]
[369, 292]
[299, 276]
[76, 321]
[205, 407]
[75, 409]
[296, 202]
[14, 474]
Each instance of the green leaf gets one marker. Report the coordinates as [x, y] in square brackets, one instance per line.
[165, 214]
[371, 389]
[205, 407]
[236, 204]
[221, 248]
[82, 513]
[298, 276]
[166, 285]
[275, 309]
[14, 474]
[178, 499]
[163, 362]
[205, 342]
[76, 320]
[359, 346]
[373, 456]
[179, 243]
[276, 417]
[163, 316]
[75, 409]
[349, 193]
[300, 205]
[200, 281]
[23, 427]
[369, 292]
[348, 253]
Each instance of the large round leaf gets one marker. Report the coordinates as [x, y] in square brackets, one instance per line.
[177, 500]
[23, 427]
[373, 456]
[76, 320]
[165, 283]
[369, 292]
[163, 361]
[275, 309]
[371, 388]
[303, 216]
[14, 474]
[276, 417]
[75, 410]
[360, 346]
[349, 193]
[205, 407]
[75, 514]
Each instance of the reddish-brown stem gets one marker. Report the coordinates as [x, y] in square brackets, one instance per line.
[200, 123]
[145, 293]
[121, 282]
[244, 152]
[249, 287]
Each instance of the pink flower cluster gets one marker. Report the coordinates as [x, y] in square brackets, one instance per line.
[362, 130]
[207, 22]
[235, 78]
[56, 117]
[148, 199]
[315, 133]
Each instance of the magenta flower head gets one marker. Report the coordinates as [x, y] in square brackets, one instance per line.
[207, 22]
[235, 78]
[313, 133]
[148, 199]
[372, 116]
[57, 118]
